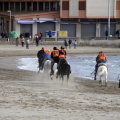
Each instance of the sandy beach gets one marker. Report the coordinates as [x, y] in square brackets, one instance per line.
[26, 95]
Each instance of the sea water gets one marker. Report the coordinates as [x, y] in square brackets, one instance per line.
[81, 65]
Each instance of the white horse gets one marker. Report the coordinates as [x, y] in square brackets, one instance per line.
[47, 66]
[102, 73]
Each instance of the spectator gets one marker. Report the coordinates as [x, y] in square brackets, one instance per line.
[106, 34]
[70, 43]
[23, 41]
[118, 33]
[50, 34]
[17, 41]
[27, 43]
[75, 44]
[39, 36]
[65, 43]
[37, 40]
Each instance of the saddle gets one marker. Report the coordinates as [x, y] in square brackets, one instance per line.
[102, 64]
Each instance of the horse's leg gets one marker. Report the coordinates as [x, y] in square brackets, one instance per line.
[39, 67]
[67, 78]
[100, 82]
[62, 79]
[106, 80]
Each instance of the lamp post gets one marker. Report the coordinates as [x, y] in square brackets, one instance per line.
[108, 18]
[10, 21]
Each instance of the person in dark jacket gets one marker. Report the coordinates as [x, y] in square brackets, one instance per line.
[54, 58]
[40, 56]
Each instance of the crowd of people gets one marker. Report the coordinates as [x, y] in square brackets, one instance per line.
[69, 43]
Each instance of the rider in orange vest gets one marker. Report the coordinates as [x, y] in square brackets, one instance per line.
[101, 58]
[63, 50]
[55, 58]
[43, 55]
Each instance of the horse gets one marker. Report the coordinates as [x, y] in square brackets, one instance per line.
[63, 69]
[102, 72]
[44, 66]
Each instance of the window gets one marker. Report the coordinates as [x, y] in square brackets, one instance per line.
[46, 6]
[29, 6]
[17, 6]
[6, 6]
[65, 5]
[22, 6]
[40, 6]
[12, 6]
[82, 5]
[52, 6]
[58, 6]
[1, 6]
[34, 6]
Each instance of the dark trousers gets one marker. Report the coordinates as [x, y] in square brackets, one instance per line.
[53, 61]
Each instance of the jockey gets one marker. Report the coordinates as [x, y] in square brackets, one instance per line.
[61, 59]
[55, 58]
[101, 58]
[63, 51]
[43, 55]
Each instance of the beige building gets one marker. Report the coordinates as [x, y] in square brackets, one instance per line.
[80, 18]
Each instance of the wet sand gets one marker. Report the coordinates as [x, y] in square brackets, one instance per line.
[26, 95]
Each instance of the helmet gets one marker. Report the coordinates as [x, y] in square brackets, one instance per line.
[43, 48]
[101, 52]
[54, 48]
[62, 47]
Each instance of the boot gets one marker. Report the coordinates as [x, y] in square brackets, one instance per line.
[95, 76]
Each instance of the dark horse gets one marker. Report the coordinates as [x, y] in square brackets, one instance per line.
[64, 69]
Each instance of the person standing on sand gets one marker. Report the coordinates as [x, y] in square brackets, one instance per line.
[27, 43]
[23, 41]
[65, 43]
[70, 43]
[75, 44]
[17, 41]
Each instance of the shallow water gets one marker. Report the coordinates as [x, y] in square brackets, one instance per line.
[82, 66]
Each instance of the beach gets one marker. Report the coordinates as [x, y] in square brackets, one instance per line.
[27, 95]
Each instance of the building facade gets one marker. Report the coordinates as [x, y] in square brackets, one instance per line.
[80, 18]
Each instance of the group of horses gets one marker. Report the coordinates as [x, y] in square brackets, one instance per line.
[65, 70]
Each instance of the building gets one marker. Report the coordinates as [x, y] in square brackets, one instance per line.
[80, 18]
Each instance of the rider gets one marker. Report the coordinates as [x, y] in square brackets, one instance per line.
[43, 55]
[101, 58]
[63, 50]
[55, 58]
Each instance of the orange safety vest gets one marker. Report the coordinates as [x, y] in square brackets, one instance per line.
[47, 51]
[101, 56]
[62, 50]
[55, 53]
[61, 56]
